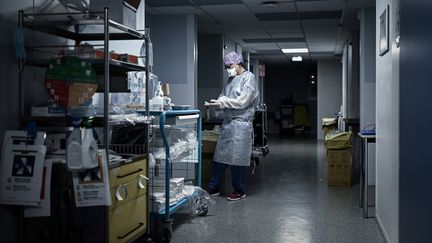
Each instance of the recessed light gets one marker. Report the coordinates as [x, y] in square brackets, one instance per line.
[312, 76]
[295, 50]
[297, 59]
[269, 4]
[312, 82]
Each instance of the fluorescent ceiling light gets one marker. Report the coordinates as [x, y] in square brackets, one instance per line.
[295, 50]
[269, 4]
[297, 59]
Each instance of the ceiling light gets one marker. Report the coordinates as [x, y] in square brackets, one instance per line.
[297, 59]
[312, 76]
[295, 50]
[269, 4]
[312, 82]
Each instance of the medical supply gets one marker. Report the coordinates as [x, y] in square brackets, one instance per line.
[81, 150]
[231, 72]
[136, 85]
[157, 102]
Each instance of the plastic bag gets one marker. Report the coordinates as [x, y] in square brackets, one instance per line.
[199, 200]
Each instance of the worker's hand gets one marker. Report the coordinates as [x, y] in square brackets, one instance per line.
[215, 104]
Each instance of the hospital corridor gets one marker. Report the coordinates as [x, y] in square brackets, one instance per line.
[215, 121]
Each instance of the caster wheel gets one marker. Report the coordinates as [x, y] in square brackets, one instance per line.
[256, 160]
[203, 210]
[167, 234]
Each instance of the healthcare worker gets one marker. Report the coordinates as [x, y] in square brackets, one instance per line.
[238, 101]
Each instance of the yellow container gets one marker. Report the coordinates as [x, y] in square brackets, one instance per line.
[129, 221]
[126, 173]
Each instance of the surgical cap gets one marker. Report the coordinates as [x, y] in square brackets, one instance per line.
[233, 58]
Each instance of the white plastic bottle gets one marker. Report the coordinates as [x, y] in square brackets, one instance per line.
[157, 102]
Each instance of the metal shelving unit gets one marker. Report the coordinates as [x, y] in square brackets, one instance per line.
[71, 27]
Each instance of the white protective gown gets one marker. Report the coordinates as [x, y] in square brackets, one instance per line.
[238, 101]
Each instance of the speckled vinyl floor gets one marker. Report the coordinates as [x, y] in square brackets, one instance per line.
[287, 201]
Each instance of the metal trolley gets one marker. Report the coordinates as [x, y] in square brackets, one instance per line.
[187, 165]
[260, 147]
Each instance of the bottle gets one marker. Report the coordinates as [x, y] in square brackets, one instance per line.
[157, 102]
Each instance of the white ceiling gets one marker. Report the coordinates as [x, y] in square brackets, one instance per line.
[315, 21]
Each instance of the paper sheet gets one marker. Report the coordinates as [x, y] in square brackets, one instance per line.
[44, 210]
[91, 187]
[21, 174]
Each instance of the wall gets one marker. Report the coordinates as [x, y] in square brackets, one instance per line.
[367, 79]
[329, 91]
[345, 81]
[415, 198]
[279, 83]
[176, 64]
[353, 77]
[210, 67]
[387, 125]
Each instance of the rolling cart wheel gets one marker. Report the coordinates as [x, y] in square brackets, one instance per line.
[167, 234]
[203, 210]
[167, 231]
[265, 151]
[256, 160]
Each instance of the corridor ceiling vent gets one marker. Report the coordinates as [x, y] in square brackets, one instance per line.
[297, 59]
[295, 50]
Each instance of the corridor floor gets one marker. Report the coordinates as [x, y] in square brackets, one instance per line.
[288, 200]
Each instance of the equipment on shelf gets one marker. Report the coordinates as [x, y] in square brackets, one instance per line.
[70, 81]
[82, 150]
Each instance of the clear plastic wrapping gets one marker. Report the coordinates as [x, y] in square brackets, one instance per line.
[198, 200]
[183, 143]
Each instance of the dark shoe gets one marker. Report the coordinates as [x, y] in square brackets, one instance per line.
[213, 192]
[235, 196]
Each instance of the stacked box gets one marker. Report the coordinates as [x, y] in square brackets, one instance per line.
[339, 158]
[328, 124]
[339, 163]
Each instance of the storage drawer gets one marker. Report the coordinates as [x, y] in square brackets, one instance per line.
[126, 173]
[129, 221]
[124, 193]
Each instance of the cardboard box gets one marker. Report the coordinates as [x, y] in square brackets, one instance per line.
[328, 128]
[338, 140]
[328, 124]
[123, 12]
[208, 146]
[339, 164]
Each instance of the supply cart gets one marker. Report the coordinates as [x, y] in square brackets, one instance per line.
[260, 147]
[176, 148]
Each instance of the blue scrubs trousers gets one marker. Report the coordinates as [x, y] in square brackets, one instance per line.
[238, 176]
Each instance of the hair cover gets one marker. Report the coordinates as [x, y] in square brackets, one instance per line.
[233, 58]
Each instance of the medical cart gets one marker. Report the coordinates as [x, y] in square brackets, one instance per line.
[260, 147]
[179, 135]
